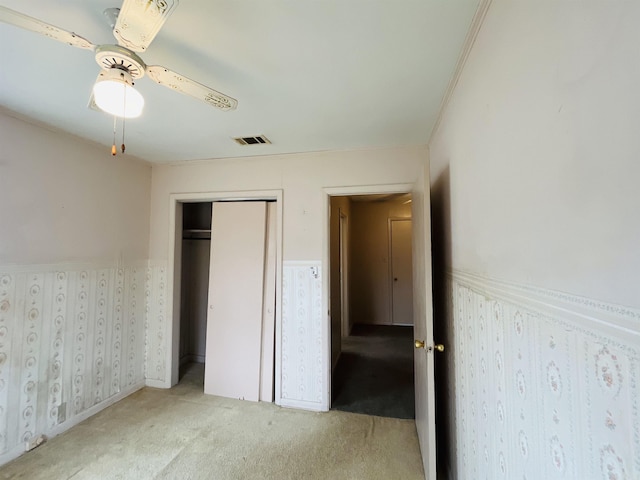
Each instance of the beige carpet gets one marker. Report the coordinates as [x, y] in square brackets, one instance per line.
[183, 434]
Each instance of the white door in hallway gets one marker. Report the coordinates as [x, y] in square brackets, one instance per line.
[401, 271]
[236, 300]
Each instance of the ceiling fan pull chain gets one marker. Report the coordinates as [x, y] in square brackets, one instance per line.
[122, 146]
[124, 109]
[113, 147]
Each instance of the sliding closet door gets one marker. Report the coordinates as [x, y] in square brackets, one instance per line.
[269, 308]
[236, 285]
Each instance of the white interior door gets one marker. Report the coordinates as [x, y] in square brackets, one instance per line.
[401, 272]
[236, 284]
[423, 330]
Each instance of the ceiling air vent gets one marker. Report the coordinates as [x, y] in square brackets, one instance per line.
[261, 139]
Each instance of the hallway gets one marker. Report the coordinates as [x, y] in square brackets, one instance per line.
[374, 375]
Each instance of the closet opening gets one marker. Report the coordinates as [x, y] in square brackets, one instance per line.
[196, 248]
[225, 296]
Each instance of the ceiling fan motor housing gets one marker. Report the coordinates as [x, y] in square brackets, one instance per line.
[115, 56]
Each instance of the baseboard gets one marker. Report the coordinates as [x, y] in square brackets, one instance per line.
[302, 405]
[72, 422]
[150, 382]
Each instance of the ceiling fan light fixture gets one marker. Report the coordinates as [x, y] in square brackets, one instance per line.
[114, 93]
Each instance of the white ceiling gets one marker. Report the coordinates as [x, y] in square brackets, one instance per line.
[311, 75]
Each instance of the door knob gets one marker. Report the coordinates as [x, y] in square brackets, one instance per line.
[420, 344]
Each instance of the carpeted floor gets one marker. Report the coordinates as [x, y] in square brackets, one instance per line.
[183, 434]
[374, 374]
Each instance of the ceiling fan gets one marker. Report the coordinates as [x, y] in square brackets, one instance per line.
[135, 25]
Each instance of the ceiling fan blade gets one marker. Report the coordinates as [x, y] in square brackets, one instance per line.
[140, 20]
[182, 84]
[29, 23]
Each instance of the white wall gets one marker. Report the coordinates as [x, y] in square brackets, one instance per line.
[65, 200]
[369, 287]
[534, 182]
[541, 141]
[73, 251]
[302, 179]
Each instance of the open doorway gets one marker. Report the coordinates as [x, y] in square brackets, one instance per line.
[371, 289]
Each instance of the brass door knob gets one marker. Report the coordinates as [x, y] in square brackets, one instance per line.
[420, 344]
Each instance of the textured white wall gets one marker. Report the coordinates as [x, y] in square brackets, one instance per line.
[540, 139]
[71, 331]
[65, 200]
[302, 178]
[534, 182]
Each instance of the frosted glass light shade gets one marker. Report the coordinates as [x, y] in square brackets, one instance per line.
[113, 93]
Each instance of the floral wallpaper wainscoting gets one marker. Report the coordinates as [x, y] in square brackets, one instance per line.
[302, 383]
[157, 340]
[71, 338]
[545, 385]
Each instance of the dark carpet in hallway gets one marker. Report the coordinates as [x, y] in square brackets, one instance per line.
[374, 375]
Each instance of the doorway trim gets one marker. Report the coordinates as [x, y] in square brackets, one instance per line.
[343, 246]
[329, 192]
[174, 268]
